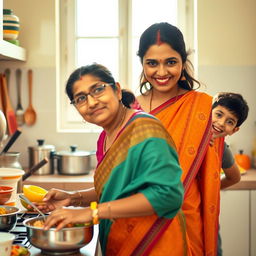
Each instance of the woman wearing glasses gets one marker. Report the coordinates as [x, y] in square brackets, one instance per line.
[137, 189]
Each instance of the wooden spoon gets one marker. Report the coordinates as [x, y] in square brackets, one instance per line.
[30, 113]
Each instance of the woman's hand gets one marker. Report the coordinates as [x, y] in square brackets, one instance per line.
[64, 216]
[55, 199]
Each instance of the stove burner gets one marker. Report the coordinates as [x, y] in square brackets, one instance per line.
[20, 231]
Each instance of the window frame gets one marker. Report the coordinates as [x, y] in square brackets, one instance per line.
[65, 50]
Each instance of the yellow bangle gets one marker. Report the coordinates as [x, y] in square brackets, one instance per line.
[94, 208]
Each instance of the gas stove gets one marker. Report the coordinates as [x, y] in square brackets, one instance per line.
[20, 231]
[21, 238]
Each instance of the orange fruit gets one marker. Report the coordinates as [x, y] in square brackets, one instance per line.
[34, 193]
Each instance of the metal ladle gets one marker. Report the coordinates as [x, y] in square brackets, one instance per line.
[33, 205]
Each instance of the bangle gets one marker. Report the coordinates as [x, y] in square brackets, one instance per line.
[94, 208]
[109, 212]
[80, 201]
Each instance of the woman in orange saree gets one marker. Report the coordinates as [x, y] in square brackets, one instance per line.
[167, 93]
[137, 181]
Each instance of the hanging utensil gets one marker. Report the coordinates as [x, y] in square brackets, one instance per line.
[35, 168]
[9, 112]
[2, 126]
[7, 73]
[30, 114]
[33, 205]
[12, 139]
[19, 110]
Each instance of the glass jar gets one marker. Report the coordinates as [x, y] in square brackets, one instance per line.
[11, 25]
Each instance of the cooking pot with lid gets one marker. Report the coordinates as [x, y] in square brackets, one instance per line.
[74, 162]
[38, 153]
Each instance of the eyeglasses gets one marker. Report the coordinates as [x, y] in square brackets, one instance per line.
[95, 92]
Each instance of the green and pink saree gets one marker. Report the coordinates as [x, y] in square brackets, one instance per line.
[142, 159]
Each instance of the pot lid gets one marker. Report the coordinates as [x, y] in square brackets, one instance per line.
[41, 146]
[74, 152]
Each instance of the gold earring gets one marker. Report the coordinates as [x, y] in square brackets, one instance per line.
[143, 80]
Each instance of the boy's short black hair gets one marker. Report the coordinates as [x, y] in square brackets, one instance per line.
[234, 102]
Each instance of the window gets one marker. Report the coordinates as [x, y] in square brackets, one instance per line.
[107, 32]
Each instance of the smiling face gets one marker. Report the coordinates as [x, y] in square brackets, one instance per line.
[223, 122]
[162, 67]
[101, 110]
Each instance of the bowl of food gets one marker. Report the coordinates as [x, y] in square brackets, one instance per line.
[5, 193]
[67, 240]
[8, 217]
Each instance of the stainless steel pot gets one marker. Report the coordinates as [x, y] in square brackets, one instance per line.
[38, 153]
[64, 241]
[74, 162]
[10, 159]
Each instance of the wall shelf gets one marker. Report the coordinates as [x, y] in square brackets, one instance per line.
[9, 51]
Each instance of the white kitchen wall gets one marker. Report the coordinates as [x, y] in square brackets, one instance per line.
[227, 57]
[37, 35]
[227, 62]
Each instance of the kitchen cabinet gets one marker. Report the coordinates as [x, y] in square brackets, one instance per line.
[238, 223]
[253, 223]
[9, 51]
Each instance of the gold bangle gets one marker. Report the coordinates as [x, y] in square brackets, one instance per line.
[94, 208]
[109, 212]
[80, 196]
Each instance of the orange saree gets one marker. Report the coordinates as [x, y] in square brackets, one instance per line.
[188, 120]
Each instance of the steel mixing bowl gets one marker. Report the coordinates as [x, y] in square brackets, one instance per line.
[8, 221]
[65, 241]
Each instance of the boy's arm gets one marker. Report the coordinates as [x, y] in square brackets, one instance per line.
[232, 176]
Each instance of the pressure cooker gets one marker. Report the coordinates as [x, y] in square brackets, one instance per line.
[73, 161]
[38, 153]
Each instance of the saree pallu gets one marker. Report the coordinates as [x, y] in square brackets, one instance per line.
[134, 161]
[188, 119]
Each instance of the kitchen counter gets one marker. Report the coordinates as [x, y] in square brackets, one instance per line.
[247, 182]
[66, 182]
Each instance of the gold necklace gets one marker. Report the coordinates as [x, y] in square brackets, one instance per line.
[120, 125]
[150, 101]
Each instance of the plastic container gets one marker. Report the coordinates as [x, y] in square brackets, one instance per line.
[10, 177]
[6, 240]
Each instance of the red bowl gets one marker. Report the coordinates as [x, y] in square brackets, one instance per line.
[5, 193]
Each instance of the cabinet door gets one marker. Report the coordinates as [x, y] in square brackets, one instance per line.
[253, 223]
[234, 222]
